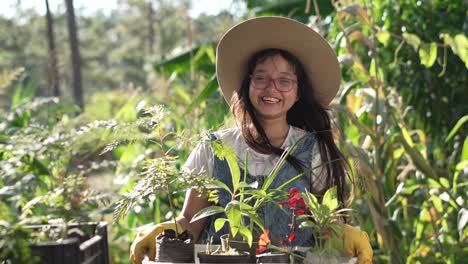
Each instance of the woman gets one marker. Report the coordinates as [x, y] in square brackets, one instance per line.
[279, 76]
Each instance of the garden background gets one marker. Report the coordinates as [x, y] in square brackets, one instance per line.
[86, 98]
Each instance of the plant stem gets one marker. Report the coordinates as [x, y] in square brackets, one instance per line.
[171, 207]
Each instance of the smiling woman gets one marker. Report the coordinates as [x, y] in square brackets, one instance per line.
[279, 76]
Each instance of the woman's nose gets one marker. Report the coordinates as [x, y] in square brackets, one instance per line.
[271, 84]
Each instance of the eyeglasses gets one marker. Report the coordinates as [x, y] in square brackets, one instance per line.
[282, 84]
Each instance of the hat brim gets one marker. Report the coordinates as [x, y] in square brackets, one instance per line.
[245, 39]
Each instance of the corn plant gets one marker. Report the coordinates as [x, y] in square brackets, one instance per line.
[415, 205]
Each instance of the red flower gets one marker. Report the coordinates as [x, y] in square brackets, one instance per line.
[292, 192]
[291, 237]
[295, 201]
[326, 232]
[263, 242]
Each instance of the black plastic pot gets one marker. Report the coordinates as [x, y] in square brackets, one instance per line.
[76, 250]
[241, 246]
[175, 250]
[280, 258]
[205, 258]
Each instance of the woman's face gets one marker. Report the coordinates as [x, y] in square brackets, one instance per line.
[273, 88]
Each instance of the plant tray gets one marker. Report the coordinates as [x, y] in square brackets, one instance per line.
[71, 251]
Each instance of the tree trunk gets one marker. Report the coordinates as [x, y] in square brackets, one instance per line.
[53, 76]
[150, 27]
[75, 54]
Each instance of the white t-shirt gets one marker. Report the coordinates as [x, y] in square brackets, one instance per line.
[201, 159]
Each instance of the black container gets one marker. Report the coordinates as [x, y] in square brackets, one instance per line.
[204, 258]
[92, 250]
[171, 250]
[279, 258]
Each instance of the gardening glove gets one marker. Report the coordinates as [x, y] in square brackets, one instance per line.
[145, 241]
[356, 243]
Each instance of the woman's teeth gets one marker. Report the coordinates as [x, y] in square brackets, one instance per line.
[270, 100]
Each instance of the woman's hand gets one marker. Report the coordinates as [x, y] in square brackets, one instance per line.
[357, 244]
[354, 243]
[145, 241]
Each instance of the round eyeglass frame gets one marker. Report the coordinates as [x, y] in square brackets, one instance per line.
[275, 82]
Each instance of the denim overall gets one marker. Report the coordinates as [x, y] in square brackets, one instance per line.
[274, 219]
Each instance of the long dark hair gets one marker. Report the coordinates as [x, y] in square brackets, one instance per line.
[307, 113]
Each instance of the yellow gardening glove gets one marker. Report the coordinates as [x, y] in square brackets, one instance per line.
[355, 243]
[145, 241]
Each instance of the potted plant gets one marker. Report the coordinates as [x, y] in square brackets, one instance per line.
[269, 253]
[161, 175]
[235, 213]
[307, 212]
[325, 219]
[246, 199]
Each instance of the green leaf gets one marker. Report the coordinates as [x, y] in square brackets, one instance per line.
[246, 207]
[207, 92]
[457, 127]
[437, 202]
[16, 99]
[461, 165]
[412, 39]
[444, 182]
[310, 200]
[225, 153]
[406, 135]
[462, 223]
[330, 199]
[458, 44]
[373, 71]
[201, 56]
[246, 234]
[461, 48]
[220, 184]
[244, 184]
[306, 223]
[464, 155]
[256, 193]
[207, 211]
[182, 93]
[383, 37]
[219, 223]
[272, 176]
[421, 163]
[255, 218]
[290, 181]
[233, 213]
[428, 54]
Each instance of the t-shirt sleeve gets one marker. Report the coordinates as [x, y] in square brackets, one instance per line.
[200, 159]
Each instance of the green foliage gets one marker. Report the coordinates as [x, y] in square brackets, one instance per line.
[299, 9]
[246, 198]
[392, 153]
[326, 218]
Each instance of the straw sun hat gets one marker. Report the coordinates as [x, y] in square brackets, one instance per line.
[245, 39]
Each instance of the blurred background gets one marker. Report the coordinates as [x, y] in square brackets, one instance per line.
[90, 90]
